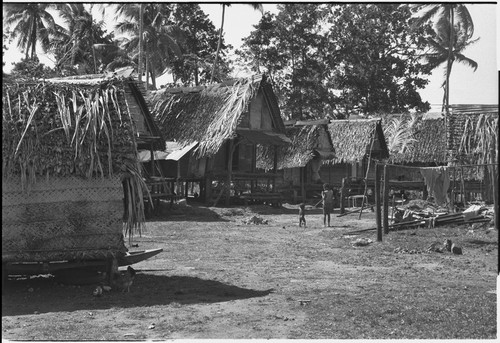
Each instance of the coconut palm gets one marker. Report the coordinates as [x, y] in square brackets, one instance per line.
[446, 18]
[160, 40]
[439, 53]
[83, 41]
[30, 23]
[255, 6]
[399, 133]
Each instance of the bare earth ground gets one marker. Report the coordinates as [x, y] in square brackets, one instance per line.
[221, 278]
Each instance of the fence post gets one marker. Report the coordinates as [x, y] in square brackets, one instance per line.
[377, 202]
[386, 201]
[342, 195]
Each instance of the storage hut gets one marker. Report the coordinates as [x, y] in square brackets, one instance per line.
[300, 161]
[71, 182]
[227, 121]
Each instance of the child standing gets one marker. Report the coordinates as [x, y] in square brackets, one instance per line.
[327, 196]
[302, 214]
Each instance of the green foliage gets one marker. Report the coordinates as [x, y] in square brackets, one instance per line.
[451, 34]
[30, 69]
[30, 24]
[84, 47]
[366, 51]
[198, 48]
[161, 38]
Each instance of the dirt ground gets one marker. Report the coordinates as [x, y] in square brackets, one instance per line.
[221, 278]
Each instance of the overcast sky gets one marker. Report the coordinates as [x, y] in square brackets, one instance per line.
[467, 86]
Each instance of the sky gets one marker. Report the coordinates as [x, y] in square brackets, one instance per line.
[466, 86]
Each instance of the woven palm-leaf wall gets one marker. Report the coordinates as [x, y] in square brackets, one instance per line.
[65, 147]
[206, 114]
[351, 139]
[473, 138]
[295, 154]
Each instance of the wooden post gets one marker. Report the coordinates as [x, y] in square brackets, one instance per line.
[386, 201]
[275, 167]
[377, 203]
[367, 170]
[342, 195]
[229, 172]
[151, 150]
[493, 168]
[393, 206]
[303, 184]
[208, 183]
[177, 179]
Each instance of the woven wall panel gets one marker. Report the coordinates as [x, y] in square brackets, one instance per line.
[62, 195]
[77, 210]
[56, 183]
[62, 218]
[86, 248]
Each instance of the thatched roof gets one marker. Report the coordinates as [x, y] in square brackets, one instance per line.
[211, 114]
[304, 146]
[429, 145]
[79, 126]
[351, 140]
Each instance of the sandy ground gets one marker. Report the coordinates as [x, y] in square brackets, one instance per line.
[221, 278]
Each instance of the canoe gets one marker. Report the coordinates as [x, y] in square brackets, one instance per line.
[132, 257]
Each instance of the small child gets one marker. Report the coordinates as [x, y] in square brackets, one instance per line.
[327, 197]
[302, 214]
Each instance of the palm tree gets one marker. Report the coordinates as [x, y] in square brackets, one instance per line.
[159, 40]
[255, 6]
[448, 17]
[31, 23]
[83, 41]
[439, 54]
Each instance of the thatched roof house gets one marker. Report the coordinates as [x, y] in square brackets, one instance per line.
[227, 120]
[69, 157]
[353, 140]
[213, 114]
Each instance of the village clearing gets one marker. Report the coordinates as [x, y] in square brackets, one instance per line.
[252, 272]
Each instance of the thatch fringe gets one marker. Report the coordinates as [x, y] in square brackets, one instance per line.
[478, 143]
[63, 129]
[208, 115]
[66, 129]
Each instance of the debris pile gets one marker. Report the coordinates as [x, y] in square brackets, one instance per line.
[430, 216]
[361, 242]
[446, 246]
[255, 221]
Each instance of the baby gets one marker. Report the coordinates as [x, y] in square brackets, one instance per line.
[302, 214]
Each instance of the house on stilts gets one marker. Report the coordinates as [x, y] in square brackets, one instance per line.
[299, 162]
[224, 122]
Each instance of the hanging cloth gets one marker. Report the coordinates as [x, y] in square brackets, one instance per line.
[437, 180]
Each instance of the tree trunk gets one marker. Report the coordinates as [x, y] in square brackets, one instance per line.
[449, 63]
[214, 67]
[141, 29]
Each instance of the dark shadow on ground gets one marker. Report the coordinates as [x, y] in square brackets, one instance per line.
[183, 213]
[44, 295]
[474, 241]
